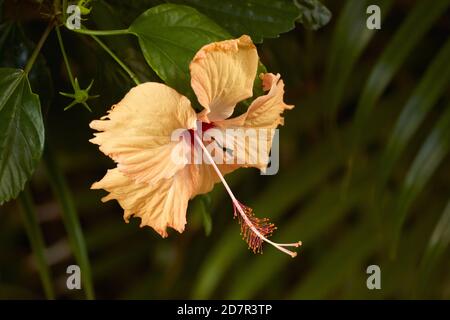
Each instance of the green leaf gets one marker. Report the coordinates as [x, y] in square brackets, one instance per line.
[436, 248]
[421, 19]
[313, 14]
[257, 18]
[70, 219]
[350, 38]
[21, 132]
[169, 36]
[36, 241]
[431, 154]
[433, 84]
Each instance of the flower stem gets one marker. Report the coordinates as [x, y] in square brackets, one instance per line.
[239, 207]
[130, 73]
[64, 54]
[38, 48]
[36, 239]
[101, 32]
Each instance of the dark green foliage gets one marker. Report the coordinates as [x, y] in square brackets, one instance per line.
[257, 18]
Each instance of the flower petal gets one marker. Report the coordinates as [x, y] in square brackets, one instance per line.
[137, 131]
[159, 206]
[222, 74]
[263, 116]
[241, 146]
[265, 111]
[205, 177]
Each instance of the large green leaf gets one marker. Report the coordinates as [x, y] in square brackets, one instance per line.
[21, 132]
[169, 36]
[257, 18]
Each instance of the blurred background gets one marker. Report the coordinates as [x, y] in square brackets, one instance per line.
[363, 180]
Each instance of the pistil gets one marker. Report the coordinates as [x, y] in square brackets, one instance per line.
[253, 230]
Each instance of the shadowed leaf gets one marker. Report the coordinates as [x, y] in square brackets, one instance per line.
[21, 132]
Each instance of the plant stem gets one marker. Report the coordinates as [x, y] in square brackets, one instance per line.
[101, 32]
[35, 237]
[70, 219]
[64, 54]
[130, 73]
[64, 8]
[38, 48]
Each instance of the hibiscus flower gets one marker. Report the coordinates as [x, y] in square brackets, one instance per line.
[137, 133]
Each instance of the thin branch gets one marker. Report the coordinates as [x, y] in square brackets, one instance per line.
[130, 73]
[38, 48]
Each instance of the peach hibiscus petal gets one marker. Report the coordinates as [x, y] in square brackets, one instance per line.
[159, 206]
[265, 111]
[137, 131]
[222, 74]
[205, 177]
[257, 124]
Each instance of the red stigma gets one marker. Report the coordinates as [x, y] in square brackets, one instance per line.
[205, 127]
